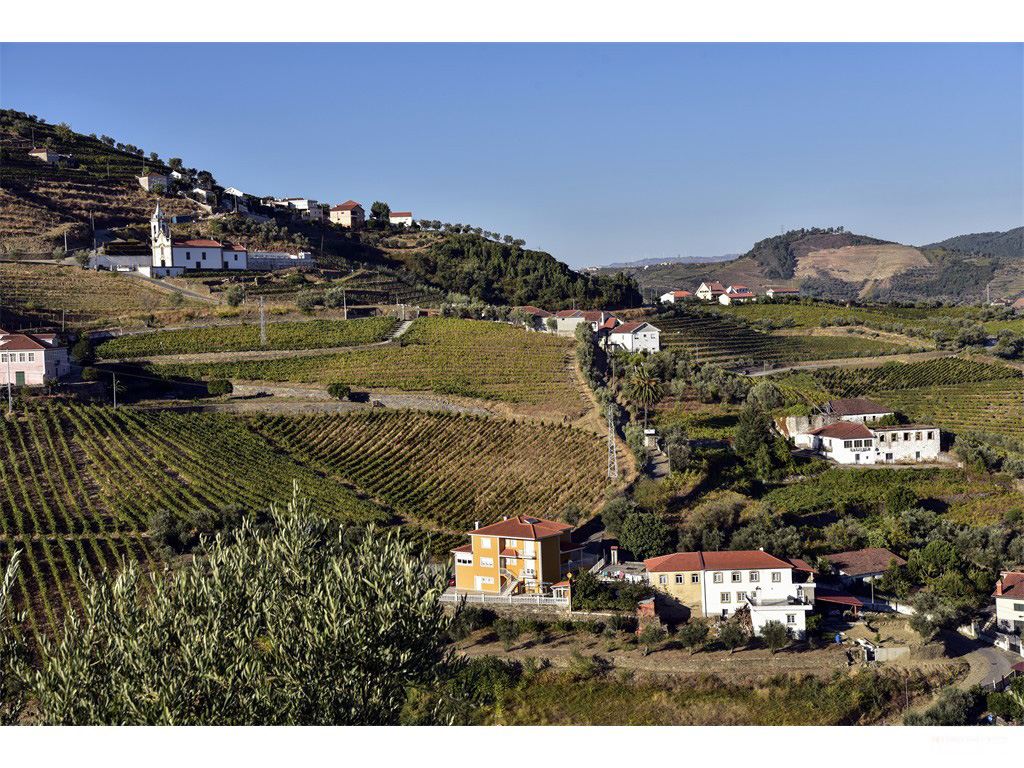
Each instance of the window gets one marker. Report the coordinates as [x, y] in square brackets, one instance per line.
[3, 358]
[917, 435]
[21, 357]
[695, 578]
[929, 435]
[679, 578]
[888, 457]
[791, 618]
[881, 438]
[776, 576]
[485, 542]
[486, 562]
[717, 577]
[726, 597]
[512, 543]
[663, 579]
[188, 254]
[737, 577]
[847, 443]
[755, 575]
[463, 558]
[906, 436]
[1018, 607]
[741, 596]
[31, 357]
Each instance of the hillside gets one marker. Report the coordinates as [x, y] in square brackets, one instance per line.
[840, 265]
[96, 188]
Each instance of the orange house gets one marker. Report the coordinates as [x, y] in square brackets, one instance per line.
[519, 555]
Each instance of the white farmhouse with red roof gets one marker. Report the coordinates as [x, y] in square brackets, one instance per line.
[673, 296]
[635, 337]
[720, 583]
[401, 218]
[736, 297]
[31, 359]
[709, 291]
[1009, 598]
[851, 438]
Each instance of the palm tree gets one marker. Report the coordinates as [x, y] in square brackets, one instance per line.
[645, 389]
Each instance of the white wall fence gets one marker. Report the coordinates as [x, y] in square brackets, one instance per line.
[451, 597]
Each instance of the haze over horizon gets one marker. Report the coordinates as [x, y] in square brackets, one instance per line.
[596, 153]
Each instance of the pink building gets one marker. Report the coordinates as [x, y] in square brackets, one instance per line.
[31, 358]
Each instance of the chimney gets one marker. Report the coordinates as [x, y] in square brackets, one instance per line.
[476, 524]
[999, 585]
[615, 554]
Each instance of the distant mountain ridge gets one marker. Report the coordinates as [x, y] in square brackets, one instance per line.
[1009, 243]
[652, 262]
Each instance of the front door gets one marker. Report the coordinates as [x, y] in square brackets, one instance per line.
[19, 378]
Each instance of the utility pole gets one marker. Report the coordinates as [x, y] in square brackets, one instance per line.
[344, 304]
[10, 401]
[113, 377]
[63, 317]
[613, 455]
[263, 325]
[65, 243]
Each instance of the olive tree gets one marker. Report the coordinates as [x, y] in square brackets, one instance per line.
[13, 653]
[302, 621]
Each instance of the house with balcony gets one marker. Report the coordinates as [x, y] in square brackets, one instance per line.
[720, 583]
[518, 555]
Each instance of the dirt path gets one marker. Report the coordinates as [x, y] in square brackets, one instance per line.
[862, 362]
[173, 288]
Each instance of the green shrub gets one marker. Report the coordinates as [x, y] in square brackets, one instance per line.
[218, 387]
[339, 391]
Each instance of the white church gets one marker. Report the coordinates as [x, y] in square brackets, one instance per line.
[172, 258]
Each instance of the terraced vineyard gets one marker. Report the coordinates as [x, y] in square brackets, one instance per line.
[811, 315]
[79, 484]
[469, 358]
[996, 406]
[713, 337]
[854, 382]
[446, 471]
[312, 334]
[40, 293]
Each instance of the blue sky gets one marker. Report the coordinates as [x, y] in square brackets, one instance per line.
[593, 152]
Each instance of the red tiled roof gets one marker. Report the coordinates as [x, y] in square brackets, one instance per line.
[1013, 584]
[842, 430]
[857, 406]
[508, 552]
[742, 295]
[560, 584]
[739, 288]
[681, 294]
[197, 244]
[234, 248]
[784, 290]
[593, 316]
[523, 527]
[1018, 304]
[610, 323]
[707, 561]
[860, 562]
[834, 596]
[464, 548]
[395, 214]
[350, 205]
[568, 313]
[801, 565]
[20, 341]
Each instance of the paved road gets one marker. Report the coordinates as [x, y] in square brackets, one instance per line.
[987, 662]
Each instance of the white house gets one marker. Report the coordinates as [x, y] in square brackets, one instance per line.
[401, 218]
[709, 291]
[738, 297]
[177, 175]
[566, 320]
[53, 158]
[310, 209]
[31, 359]
[635, 337]
[737, 289]
[781, 293]
[540, 316]
[234, 192]
[673, 296]
[849, 442]
[720, 583]
[152, 180]
[1009, 598]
